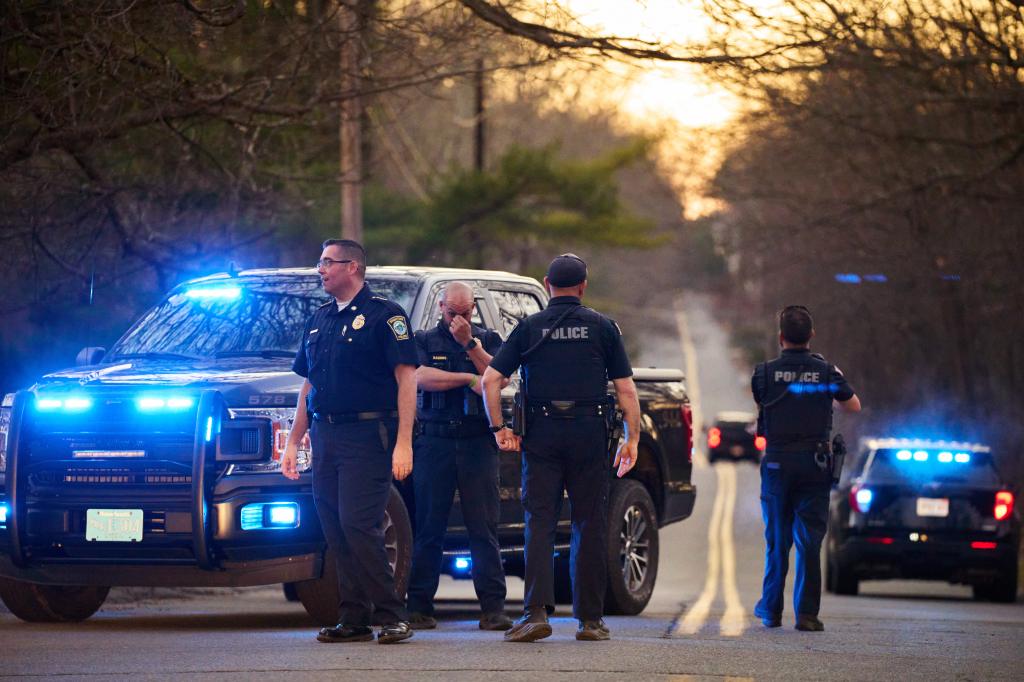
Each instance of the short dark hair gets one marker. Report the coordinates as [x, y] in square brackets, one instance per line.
[796, 324]
[350, 249]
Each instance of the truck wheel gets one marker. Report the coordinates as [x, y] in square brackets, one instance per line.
[632, 554]
[839, 579]
[36, 603]
[1003, 589]
[320, 596]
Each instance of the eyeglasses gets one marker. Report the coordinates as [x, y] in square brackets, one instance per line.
[328, 262]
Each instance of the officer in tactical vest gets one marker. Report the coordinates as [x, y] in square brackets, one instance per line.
[795, 394]
[566, 354]
[453, 449]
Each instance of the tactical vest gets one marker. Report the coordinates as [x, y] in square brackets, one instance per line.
[458, 403]
[796, 402]
[572, 364]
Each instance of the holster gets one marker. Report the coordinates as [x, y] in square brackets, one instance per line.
[519, 414]
[838, 457]
[615, 421]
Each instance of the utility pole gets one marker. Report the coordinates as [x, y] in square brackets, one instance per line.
[350, 124]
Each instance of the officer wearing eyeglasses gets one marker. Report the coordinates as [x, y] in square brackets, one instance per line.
[454, 449]
[567, 354]
[359, 361]
[795, 393]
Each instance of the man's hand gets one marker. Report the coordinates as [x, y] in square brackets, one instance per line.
[289, 462]
[625, 458]
[507, 440]
[461, 330]
[401, 461]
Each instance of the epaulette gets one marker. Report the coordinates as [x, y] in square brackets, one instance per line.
[331, 302]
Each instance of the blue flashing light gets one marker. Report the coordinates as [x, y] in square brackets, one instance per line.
[904, 455]
[179, 403]
[49, 404]
[154, 403]
[252, 517]
[4, 510]
[848, 278]
[945, 457]
[284, 515]
[962, 458]
[209, 429]
[71, 404]
[864, 497]
[462, 563]
[151, 403]
[879, 278]
[921, 456]
[223, 293]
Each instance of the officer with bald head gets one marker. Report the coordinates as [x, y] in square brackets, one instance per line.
[454, 450]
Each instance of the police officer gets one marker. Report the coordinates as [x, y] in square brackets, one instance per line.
[567, 354]
[359, 361]
[453, 449]
[795, 393]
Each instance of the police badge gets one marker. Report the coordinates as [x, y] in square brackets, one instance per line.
[358, 322]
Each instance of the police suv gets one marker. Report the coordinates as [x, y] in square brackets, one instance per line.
[157, 463]
[924, 509]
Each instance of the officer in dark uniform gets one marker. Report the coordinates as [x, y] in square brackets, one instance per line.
[359, 361]
[453, 449]
[566, 353]
[795, 394]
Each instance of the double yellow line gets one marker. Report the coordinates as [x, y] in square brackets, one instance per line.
[721, 568]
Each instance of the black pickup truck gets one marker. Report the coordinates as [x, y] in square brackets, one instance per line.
[156, 463]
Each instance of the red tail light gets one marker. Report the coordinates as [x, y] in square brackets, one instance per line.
[881, 541]
[983, 545]
[687, 414]
[714, 437]
[1004, 505]
[760, 442]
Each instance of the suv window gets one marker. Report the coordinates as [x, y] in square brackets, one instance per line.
[514, 306]
[889, 467]
[245, 315]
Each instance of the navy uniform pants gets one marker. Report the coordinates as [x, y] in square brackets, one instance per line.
[440, 465]
[569, 454]
[351, 484]
[794, 503]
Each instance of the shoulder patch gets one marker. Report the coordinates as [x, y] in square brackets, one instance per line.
[399, 327]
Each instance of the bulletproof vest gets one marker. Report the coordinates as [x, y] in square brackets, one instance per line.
[796, 401]
[445, 354]
[572, 363]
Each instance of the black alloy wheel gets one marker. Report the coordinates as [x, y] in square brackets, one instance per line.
[632, 548]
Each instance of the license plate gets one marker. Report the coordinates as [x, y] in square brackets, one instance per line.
[933, 506]
[113, 525]
[736, 451]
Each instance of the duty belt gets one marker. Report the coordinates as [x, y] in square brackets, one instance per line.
[453, 428]
[568, 408]
[351, 417]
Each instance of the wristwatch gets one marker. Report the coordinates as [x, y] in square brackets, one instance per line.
[473, 343]
[499, 427]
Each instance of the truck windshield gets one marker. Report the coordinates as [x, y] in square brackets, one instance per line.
[246, 316]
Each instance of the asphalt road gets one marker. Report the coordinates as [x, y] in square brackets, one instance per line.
[698, 624]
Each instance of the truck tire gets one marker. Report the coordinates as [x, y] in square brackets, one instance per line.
[1002, 589]
[839, 579]
[320, 596]
[632, 548]
[36, 603]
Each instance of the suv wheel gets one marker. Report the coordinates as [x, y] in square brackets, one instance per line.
[1002, 589]
[320, 596]
[51, 603]
[632, 553]
[839, 579]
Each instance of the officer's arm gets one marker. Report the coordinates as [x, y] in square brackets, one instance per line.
[434, 379]
[851, 405]
[405, 375]
[625, 392]
[481, 359]
[493, 382]
[300, 424]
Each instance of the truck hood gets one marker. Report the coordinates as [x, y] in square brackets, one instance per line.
[242, 381]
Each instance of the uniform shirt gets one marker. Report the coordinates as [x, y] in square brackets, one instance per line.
[803, 417]
[438, 348]
[583, 353]
[349, 356]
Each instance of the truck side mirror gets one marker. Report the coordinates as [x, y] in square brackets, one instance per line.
[90, 355]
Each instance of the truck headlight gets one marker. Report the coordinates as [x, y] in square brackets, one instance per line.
[281, 429]
[5, 426]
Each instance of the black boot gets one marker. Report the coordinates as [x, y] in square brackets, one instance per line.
[531, 627]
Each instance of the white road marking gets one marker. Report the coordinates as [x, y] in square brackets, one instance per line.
[692, 382]
[734, 620]
[697, 614]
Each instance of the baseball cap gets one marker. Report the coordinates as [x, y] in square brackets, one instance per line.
[567, 270]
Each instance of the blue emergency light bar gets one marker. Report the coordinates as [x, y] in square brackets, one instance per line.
[223, 293]
[69, 404]
[270, 515]
[156, 403]
[4, 511]
[945, 456]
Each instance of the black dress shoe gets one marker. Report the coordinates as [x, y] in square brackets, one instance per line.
[532, 626]
[496, 620]
[394, 632]
[345, 633]
[808, 623]
[593, 631]
[421, 621]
